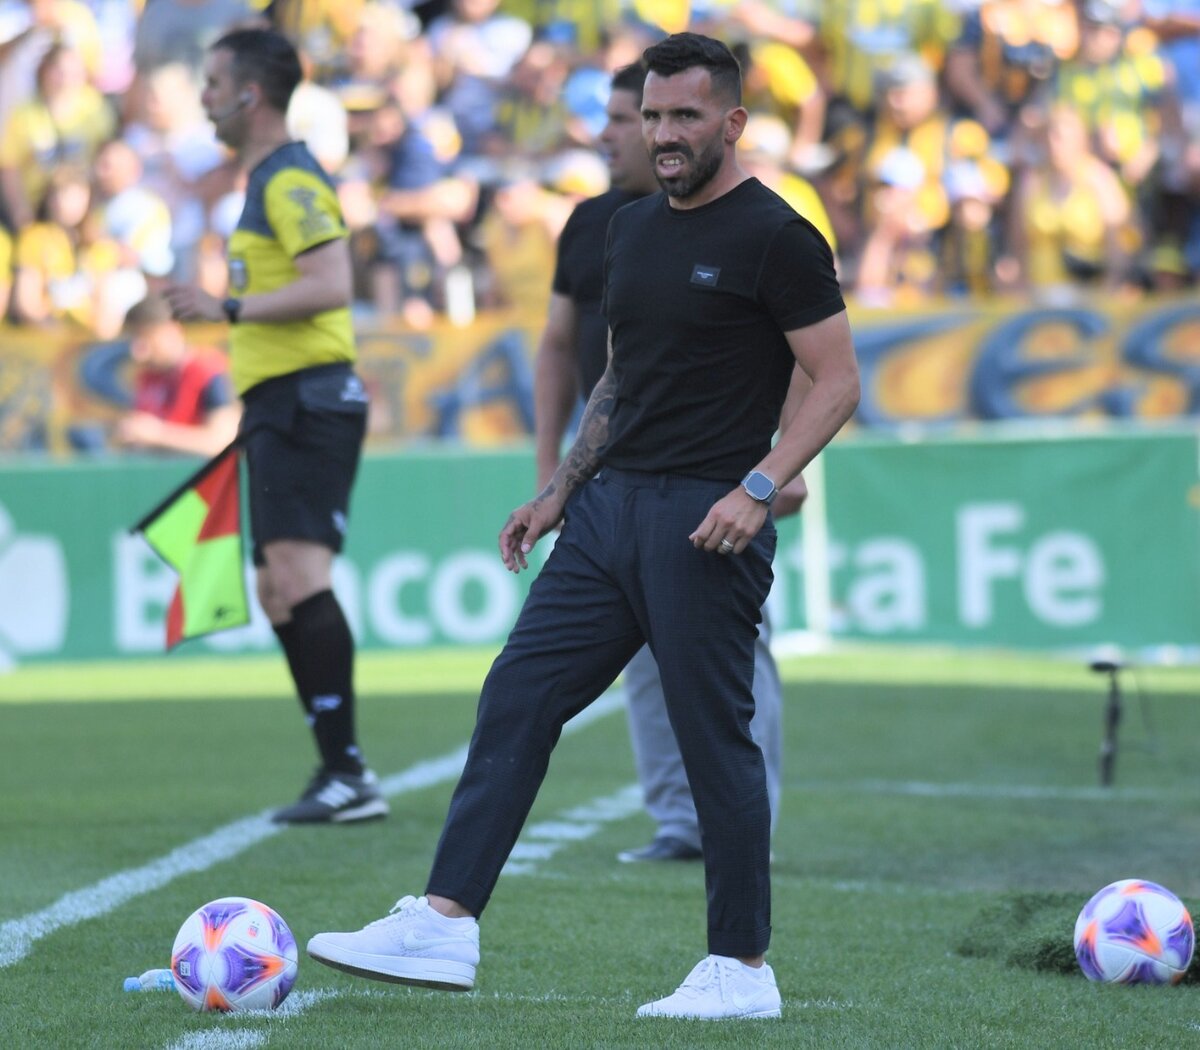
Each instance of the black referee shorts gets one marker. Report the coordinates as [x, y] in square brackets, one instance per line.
[303, 436]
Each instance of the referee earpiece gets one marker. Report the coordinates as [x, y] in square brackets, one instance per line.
[243, 100]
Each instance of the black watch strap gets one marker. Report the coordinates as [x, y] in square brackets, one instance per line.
[233, 309]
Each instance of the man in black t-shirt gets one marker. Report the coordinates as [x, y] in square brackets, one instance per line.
[571, 357]
[714, 294]
[573, 351]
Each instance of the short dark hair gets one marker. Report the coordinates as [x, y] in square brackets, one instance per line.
[630, 78]
[265, 57]
[154, 309]
[684, 51]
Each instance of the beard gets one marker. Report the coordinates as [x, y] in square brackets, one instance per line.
[701, 172]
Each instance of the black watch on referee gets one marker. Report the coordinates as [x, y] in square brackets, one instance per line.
[760, 488]
[233, 309]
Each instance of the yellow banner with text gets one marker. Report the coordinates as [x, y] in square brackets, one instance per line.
[934, 367]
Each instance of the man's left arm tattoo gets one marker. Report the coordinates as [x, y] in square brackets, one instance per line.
[583, 459]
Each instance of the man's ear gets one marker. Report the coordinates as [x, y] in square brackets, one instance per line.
[735, 124]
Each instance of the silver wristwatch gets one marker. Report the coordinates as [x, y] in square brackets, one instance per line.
[759, 487]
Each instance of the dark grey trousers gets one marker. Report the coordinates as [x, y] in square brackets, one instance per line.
[622, 573]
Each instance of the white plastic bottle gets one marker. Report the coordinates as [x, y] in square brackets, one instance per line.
[151, 981]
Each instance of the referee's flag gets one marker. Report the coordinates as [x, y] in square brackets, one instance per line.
[197, 531]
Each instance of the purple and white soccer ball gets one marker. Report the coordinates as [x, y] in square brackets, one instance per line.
[1134, 932]
[234, 954]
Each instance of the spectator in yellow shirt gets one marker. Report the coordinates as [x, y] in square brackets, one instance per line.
[859, 38]
[777, 79]
[66, 271]
[1119, 84]
[6, 269]
[897, 266]
[64, 123]
[1072, 220]
[48, 22]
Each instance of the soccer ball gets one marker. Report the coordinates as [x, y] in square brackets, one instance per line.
[234, 954]
[1134, 932]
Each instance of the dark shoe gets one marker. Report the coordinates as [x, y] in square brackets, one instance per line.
[336, 798]
[662, 848]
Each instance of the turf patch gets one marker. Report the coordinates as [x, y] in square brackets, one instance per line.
[1031, 930]
[1034, 931]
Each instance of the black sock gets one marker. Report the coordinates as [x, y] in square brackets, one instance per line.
[286, 634]
[320, 654]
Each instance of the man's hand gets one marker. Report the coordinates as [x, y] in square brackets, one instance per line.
[526, 525]
[189, 303]
[731, 523]
[138, 430]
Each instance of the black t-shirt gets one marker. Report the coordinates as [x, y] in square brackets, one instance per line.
[579, 275]
[698, 301]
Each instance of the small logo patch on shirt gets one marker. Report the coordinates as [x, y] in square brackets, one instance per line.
[705, 275]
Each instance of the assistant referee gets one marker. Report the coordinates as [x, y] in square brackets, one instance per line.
[292, 355]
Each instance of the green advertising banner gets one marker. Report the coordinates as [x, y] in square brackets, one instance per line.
[1030, 543]
[1025, 542]
[421, 566]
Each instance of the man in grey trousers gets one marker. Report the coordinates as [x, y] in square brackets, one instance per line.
[665, 790]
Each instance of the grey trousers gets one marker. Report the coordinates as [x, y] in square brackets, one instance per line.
[656, 756]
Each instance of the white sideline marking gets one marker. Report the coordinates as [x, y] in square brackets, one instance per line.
[541, 841]
[17, 936]
[238, 1039]
[818, 1004]
[927, 789]
[246, 1038]
[298, 1002]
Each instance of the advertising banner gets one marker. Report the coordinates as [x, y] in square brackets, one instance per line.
[421, 566]
[1036, 543]
[934, 367]
[1026, 542]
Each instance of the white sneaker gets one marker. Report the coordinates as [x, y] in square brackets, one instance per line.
[413, 945]
[720, 987]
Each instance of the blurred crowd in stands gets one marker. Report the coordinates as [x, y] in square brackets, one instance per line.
[1031, 147]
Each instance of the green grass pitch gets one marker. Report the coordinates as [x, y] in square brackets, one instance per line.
[925, 793]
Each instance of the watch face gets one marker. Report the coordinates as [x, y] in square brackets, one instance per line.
[759, 486]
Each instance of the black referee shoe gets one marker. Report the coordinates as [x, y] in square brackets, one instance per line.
[664, 847]
[336, 798]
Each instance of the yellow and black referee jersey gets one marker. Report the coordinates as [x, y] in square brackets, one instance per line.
[291, 207]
